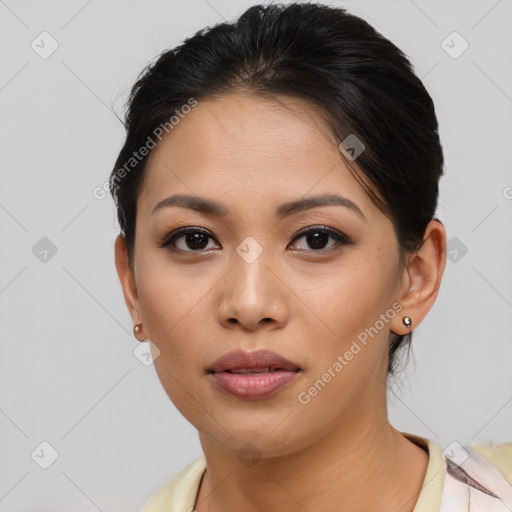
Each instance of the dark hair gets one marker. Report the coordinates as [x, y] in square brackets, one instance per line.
[360, 82]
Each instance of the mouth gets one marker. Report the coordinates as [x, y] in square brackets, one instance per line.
[253, 375]
[260, 361]
[268, 369]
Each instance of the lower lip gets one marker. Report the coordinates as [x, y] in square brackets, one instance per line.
[253, 386]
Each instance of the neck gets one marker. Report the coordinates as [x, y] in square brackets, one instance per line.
[362, 466]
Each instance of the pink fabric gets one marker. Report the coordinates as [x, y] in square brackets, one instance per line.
[472, 484]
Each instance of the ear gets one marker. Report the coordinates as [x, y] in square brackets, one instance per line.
[421, 278]
[127, 278]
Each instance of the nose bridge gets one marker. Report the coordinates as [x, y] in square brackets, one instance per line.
[252, 292]
[251, 273]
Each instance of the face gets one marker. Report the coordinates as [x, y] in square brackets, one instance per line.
[265, 270]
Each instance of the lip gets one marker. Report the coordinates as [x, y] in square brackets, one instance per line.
[253, 375]
[240, 360]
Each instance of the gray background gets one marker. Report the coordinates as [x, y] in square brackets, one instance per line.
[68, 374]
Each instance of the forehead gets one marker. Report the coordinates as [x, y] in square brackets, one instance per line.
[239, 147]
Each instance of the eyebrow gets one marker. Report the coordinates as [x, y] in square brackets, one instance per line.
[214, 208]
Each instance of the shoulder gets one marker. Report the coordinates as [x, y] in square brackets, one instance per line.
[473, 483]
[459, 478]
[179, 493]
[499, 456]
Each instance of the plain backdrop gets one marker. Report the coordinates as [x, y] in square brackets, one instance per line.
[73, 394]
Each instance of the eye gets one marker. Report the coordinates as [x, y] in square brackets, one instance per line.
[195, 239]
[318, 236]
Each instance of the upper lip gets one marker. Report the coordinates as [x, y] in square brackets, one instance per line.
[240, 360]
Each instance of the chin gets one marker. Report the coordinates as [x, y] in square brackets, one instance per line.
[254, 441]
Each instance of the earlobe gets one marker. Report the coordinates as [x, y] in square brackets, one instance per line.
[422, 277]
[127, 279]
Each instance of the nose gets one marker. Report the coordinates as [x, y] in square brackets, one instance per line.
[253, 294]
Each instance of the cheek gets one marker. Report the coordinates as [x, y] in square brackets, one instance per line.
[170, 293]
[172, 311]
[351, 298]
[347, 305]
[174, 317]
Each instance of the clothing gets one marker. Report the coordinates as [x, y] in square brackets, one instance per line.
[499, 456]
[458, 479]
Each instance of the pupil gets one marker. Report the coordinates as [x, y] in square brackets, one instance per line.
[196, 240]
[316, 238]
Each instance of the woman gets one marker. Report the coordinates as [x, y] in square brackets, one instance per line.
[276, 195]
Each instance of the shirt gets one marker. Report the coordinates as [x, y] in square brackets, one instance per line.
[458, 479]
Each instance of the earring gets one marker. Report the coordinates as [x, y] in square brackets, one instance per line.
[407, 321]
[136, 329]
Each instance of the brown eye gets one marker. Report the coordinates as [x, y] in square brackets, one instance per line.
[318, 237]
[187, 240]
[195, 239]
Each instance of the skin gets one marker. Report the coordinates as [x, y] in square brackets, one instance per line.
[252, 155]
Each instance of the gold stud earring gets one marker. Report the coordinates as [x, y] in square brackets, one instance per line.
[407, 321]
[136, 329]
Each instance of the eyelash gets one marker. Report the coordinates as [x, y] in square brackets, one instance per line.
[170, 239]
